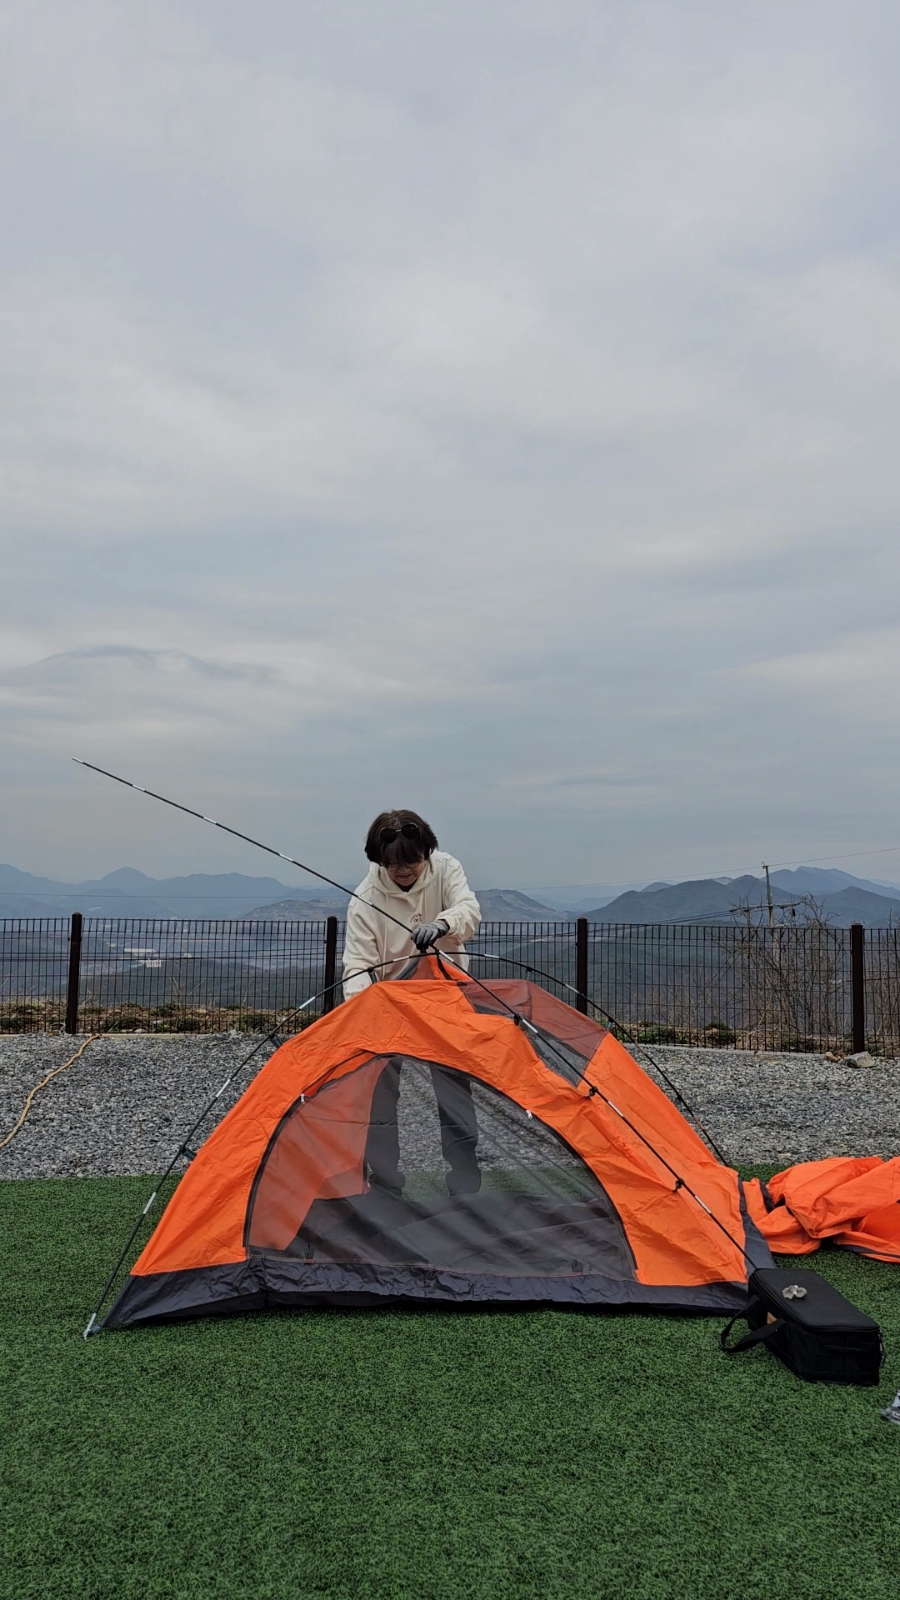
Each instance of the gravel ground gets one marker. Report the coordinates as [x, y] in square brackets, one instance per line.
[127, 1103]
[785, 1108]
[124, 1107]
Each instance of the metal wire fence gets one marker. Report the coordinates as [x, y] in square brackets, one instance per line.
[882, 990]
[790, 988]
[139, 975]
[749, 988]
[197, 976]
[734, 987]
[34, 965]
[507, 948]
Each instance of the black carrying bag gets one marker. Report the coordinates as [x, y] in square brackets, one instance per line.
[809, 1326]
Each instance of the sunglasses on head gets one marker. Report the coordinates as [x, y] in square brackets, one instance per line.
[409, 830]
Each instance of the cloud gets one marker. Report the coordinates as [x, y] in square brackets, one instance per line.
[118, 696]
[492, 403]
[552, 299]
[119, 420]
[858, 673]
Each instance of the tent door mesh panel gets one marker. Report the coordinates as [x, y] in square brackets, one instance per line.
[409, 1161]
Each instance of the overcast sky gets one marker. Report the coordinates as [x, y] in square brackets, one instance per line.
[491, 409]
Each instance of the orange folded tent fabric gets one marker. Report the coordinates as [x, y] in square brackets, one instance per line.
[778, 1226]
[852, 1200]
[420, 1143]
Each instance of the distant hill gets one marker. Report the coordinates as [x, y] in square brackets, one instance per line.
[128, 893]
[820, 881]
[497, 905]
[713, 900]
[510, 905]
[572, 900]
[701, 899]
[860, 905]
[301, 910]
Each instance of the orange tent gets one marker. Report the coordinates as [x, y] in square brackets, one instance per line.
[422, 1143]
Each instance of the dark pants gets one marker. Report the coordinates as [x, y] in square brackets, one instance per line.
[459, 1130]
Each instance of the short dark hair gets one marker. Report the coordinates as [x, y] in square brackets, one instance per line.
[402, 849]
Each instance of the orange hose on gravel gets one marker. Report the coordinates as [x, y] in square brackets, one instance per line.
[43, 1083]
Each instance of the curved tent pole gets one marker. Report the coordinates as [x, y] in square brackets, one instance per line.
[614, 1022]
[270, 850]
[593, 1090]
[441, 956]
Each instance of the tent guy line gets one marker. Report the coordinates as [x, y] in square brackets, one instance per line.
[43, 1084]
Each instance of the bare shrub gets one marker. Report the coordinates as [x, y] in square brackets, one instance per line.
[793, 981]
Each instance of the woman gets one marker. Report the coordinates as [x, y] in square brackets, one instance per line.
[420, 886]
[426, 891]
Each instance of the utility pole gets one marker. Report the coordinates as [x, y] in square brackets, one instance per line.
[769, 898]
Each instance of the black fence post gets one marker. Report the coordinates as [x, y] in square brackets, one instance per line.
[581, 963]
[858, 985]
[74, 972]
[331, 932]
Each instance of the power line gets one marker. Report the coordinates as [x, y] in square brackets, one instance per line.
[843, 855]
[810, 861]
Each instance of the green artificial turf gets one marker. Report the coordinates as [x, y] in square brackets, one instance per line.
[434, 1454]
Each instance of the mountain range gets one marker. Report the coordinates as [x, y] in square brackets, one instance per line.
[497, 905]
[839, 896]
[129, 893]
[126, 892]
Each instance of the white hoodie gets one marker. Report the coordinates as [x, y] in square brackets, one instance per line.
[440, 893]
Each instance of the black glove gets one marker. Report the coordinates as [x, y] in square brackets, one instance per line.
[428, 934]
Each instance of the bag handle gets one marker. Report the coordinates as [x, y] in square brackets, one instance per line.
[755, 1336]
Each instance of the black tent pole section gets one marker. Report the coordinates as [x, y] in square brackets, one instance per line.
[236, 833]
[484, 955]
[184, 1147]
[523, 1022]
